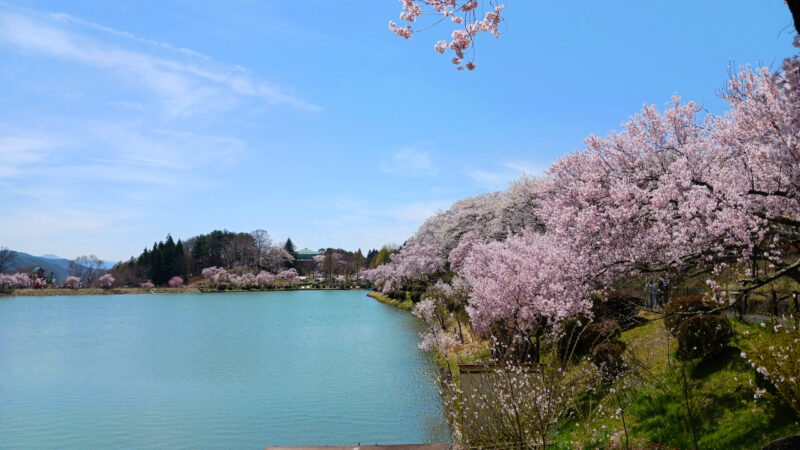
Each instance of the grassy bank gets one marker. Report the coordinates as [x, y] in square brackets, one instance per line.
[96, 291]
[406, 305]
[649, 405]
[472, 349]
[720, 390]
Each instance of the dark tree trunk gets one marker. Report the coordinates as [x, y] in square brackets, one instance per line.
[794, 7]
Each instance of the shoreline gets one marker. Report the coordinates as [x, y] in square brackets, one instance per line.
[65, 292]
[405, 305]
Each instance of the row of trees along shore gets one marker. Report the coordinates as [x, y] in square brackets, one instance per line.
[539, 281]
[236, 253]
[171, 263]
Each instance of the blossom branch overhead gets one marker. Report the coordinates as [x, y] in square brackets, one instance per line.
[463, 13]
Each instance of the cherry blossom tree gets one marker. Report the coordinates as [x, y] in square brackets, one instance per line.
[175, 281]
[147, 284]
[16, 280]
[72, 282]
[523, 286]
[472, 17]
[466, 14]
[491, 216]
[248, 279]
[412, 262]
[276, 259]
[210, 272]
[680, 195]
[264, 279]
[106, 281]
[289, 274]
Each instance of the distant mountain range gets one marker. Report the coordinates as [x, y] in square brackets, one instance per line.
[50, 263]
[59, 267]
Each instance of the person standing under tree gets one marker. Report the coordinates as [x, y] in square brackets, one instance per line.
[651, 290]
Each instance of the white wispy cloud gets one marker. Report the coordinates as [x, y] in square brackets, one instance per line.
[410, 162]
[22, 150]
[188, 85]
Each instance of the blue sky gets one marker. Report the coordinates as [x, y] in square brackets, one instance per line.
[122, 121]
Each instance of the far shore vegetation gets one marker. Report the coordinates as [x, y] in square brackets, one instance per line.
[220, 261]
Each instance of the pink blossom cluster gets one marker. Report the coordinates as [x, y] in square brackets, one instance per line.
[530, 279]
[147, 284]
[437, 340]
[39, 283]
[210, 272]
[219, 275]
[238, 281]
[489, 217]
[16, 280]
[72, 282]
[175, 281]
[670, 193]
[288, 274]
[264, 278]
[426, 310]
[463, 13]
[412, 262]
[106, 280]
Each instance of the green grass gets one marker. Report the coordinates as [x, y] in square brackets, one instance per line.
[727, 415]
[407, 304]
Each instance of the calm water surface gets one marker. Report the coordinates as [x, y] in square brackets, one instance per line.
[213, 371]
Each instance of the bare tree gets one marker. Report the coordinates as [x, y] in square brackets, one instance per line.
[87, 267]
[263, 241]
[275, 259]
[6, 257]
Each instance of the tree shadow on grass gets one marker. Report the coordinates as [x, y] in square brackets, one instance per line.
[726, 359]
[726, 414]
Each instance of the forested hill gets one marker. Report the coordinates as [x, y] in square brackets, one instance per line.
[23, 261]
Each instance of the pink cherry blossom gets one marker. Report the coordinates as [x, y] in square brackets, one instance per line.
[464, 13]
[106, 280]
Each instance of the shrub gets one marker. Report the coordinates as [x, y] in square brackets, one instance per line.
[678, 308]
[597, 333]
[702, 336]
[579, 340]
[607, 358]
[618, 306]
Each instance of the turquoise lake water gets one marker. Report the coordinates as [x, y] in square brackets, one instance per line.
[232, 370]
